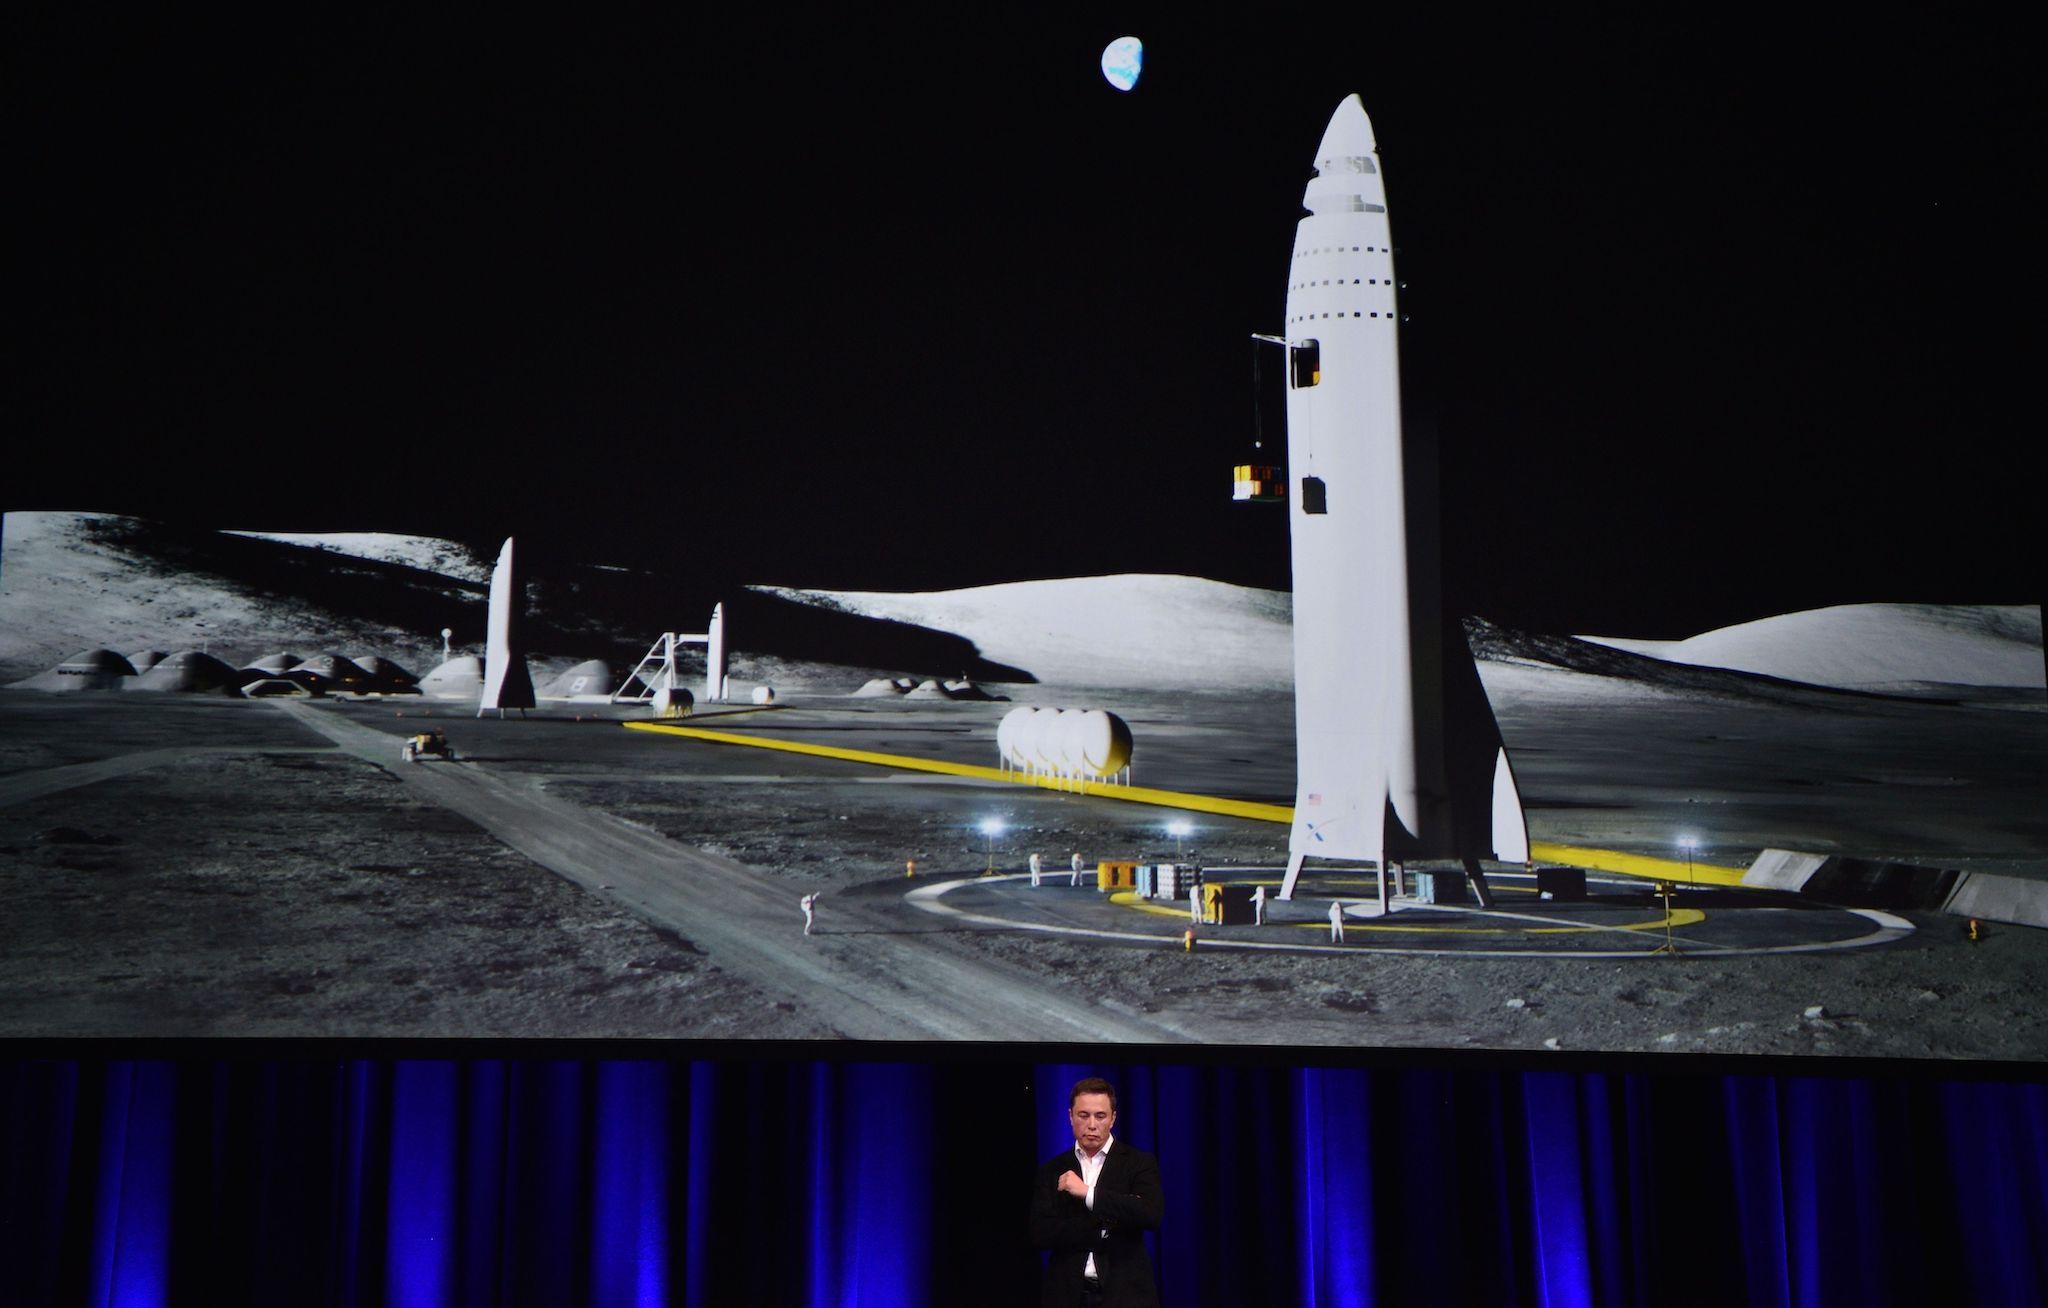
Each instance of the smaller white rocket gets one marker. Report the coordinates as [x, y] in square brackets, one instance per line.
[507, 683]
[714, 656]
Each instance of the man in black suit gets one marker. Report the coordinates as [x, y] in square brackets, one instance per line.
[1091, 1206]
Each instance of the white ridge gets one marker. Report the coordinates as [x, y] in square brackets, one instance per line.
[1871, 646]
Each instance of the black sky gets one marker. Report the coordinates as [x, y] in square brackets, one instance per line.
[1713, 317]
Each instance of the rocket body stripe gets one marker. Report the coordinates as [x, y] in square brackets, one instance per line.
[1395, 759]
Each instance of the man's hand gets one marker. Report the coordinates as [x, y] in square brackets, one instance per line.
[1071, 1183]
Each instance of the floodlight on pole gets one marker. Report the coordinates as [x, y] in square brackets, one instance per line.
[991, 827]
[1687, 842]
[1179, 829]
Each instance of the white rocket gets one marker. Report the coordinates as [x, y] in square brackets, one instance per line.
[1399, 757]
[506, 681]
[714, 656]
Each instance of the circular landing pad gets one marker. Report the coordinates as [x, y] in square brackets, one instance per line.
[1619, 918]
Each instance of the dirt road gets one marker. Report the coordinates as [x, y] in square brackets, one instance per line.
[864, 974]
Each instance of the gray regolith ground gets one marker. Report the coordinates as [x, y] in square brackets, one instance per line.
[230, 870]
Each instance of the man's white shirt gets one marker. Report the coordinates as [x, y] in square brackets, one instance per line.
[1091, 1170]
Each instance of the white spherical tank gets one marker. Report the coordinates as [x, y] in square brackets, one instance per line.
[1063, 742]
[1031, 738]
[1105, 743]
[672, 702]
[1006, 736]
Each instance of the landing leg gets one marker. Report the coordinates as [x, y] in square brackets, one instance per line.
[1294, 862]
[1480, 889]
[1386, 905]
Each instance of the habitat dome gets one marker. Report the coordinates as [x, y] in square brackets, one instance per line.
[337, 672]
[964, 689]
[461, 677]
[271, 665]
[89, 669]
[145, 659]
[590, 678]
[387, 677]
[189, 672]
[932, 688]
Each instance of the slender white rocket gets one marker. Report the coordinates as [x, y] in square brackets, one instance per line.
[1399, 756]
[714, 656]
[506, 681]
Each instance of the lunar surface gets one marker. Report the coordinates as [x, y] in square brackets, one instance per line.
[221, 867]
[202, 866]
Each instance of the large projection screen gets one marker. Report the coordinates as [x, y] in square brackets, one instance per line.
[836, 410]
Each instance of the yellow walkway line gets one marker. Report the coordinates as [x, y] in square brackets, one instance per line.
[1598, 860]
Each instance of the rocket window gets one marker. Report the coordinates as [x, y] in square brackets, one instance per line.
[1314, 495]
[1305, 364]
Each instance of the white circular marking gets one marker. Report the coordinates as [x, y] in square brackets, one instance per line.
[1889, 927]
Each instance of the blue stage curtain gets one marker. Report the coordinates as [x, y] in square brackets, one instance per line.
[862, 1184]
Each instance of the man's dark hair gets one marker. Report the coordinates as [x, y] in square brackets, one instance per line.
[1093, 1085]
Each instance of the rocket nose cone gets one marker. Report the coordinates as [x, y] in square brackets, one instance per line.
[1349, 133]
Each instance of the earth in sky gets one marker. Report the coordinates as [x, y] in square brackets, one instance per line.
[1122, 60]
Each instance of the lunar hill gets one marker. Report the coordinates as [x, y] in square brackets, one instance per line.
[1163, 632]
[71, 581]
[1871, 646]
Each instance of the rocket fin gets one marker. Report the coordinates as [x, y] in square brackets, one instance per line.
[1486, 803]
[1294, 862]
[1510, 824]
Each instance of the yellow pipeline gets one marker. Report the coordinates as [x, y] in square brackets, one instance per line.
[1597, 860]
[1638, 865]
[1136, 794]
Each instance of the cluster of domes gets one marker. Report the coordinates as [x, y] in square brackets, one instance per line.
[929, 688]
[195, 672]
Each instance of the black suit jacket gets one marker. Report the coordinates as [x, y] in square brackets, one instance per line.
[1128, 1203]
